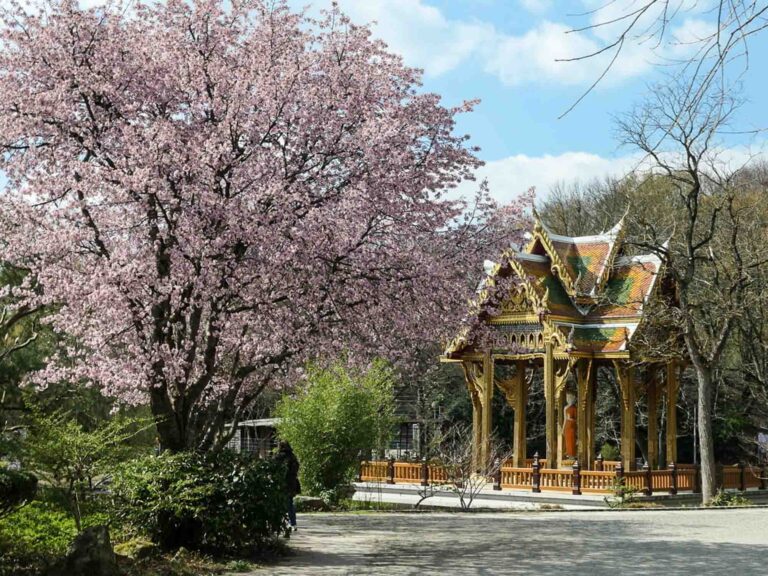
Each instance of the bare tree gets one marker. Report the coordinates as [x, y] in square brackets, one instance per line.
[454, 453]
[704, 236]
[622, 23]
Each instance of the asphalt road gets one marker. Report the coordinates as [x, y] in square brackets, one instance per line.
[659, 543]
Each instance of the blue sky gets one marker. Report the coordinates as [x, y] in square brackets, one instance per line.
[503, 52]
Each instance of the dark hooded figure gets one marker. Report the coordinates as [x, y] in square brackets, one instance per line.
[288, 458]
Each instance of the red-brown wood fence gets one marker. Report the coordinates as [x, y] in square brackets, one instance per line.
[674, 479]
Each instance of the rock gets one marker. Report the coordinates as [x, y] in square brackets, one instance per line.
[181, 555]
[90, 554]
[310, 504]
[137, 549]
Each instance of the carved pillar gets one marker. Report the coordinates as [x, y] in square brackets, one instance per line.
[592, 399]
[551, 405]
[584, 402]
[521, 401]
[471, 376]
[653, 432]
[673, 385]
[625, 377]
[516, 392]
[560, 425]
[487, 401]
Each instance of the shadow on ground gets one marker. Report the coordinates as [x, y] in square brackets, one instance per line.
[592, 543]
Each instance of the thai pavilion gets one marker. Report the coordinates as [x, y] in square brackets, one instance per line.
[569, 305]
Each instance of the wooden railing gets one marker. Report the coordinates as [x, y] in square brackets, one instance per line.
[407, 473]
[375, 471]
[686, 479]
[679, 478]
[600, 482]
[561, 479]
[635, 480]
[731, 477]
[754, 477]
[516, 478]
[438, 474]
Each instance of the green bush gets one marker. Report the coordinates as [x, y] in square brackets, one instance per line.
[34, 536]
[339, 415]
[220, 502]
[723, 498]
[16, 489]
[610, 452]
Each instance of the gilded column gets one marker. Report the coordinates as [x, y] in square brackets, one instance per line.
[487, 426]
[521, 401]
[584, 402]
[625, 376]
[653, 441]
[472, 382]
[673, 385]
[551, 405]
[560, 425]
[592, 399]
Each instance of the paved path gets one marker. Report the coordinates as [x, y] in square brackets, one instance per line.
[659, 543]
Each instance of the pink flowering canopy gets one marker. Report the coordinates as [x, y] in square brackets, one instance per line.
[209, 193]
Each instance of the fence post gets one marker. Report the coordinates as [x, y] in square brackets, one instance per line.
[742, 478]
[696, 479]
[673, 474]
[360, 470]
[648, 479]
[424, 472]
[576, 478]
[620, 474]
[599, 462]
[536, 480]
[497, 474]
[762, 477]
[391, 471]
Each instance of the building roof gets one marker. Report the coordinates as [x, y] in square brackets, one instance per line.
[588, 292]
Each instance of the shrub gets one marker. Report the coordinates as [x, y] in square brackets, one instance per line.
[623, 496]
[723, 498]
[610, 452]
[222, 502]
[74, 461]
[34, 536]
[339, 415]
[16, 489]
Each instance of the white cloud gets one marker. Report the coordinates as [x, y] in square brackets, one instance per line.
[532, 57]
[511, 176]
[426, 38]
[536, 6]
[420, 32]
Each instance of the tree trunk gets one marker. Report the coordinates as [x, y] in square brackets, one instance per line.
[170, 434]
[706, 440]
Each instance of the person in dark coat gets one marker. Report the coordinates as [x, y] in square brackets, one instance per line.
[288, 458]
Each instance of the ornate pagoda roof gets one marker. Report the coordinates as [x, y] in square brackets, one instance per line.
[583, 290]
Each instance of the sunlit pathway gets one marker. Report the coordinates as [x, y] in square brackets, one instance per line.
[594, 543]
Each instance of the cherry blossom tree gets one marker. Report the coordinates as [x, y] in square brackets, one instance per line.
[211, 192]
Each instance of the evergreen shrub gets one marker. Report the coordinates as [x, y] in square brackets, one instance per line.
[213, 502]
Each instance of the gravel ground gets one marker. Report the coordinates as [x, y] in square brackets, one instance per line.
[617, 543]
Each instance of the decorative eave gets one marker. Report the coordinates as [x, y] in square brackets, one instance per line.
[617, 233]
[542, 234]
[510, 258]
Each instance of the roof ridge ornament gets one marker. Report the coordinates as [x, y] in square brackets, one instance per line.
[542, 234]
[617, 232]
